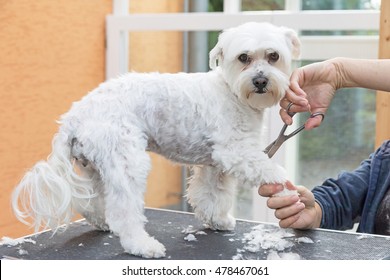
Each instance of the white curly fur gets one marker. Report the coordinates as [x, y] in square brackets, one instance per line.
[99, 164]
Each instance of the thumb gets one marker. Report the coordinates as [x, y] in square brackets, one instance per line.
[315, 120]
[290, 186]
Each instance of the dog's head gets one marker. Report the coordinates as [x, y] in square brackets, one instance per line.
[255, 60]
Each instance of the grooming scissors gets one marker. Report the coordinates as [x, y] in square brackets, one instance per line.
[271, 149]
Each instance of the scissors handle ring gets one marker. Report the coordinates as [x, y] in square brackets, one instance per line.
[318, 114]
[291, 114]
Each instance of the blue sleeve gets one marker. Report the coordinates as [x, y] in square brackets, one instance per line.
[342, 199]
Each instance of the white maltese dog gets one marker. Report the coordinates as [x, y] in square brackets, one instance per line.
[99, 163]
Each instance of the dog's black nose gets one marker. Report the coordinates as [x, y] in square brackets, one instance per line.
[260, 83]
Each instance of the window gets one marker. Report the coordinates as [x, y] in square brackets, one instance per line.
[348, 134]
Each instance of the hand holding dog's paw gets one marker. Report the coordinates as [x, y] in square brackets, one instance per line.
[293, 210]
[278, 190]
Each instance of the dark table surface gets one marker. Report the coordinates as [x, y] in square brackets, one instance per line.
[186, 238]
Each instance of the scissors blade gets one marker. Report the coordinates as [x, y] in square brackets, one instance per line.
[267, 150]
[274, 146]
[271, 151]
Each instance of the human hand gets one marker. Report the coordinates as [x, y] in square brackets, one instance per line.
[312, 89]
[301, 212]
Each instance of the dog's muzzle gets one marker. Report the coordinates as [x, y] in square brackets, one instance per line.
[260, 82]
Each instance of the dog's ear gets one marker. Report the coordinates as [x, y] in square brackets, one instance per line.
[293, 41]
[215, 56]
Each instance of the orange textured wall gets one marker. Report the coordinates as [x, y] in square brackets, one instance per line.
[51, 53]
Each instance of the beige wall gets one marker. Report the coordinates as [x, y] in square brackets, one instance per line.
[51, 54]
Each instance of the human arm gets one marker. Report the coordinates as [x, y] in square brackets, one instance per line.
[313, 86]
[343, 199]
[334, 205]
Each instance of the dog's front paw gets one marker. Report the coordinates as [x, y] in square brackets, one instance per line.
[277, 175]
[274, 174]
[216, 221]
[223, 223]
[146, 247]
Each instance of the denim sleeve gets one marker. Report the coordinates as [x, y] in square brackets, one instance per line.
[342, 199]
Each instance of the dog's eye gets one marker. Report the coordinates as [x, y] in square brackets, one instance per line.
[273, 57]
[244, 58]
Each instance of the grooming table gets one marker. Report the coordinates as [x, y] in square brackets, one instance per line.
[187, 239]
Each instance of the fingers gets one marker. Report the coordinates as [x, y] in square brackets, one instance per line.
[310, 123]
[290, 222]
[279, 202]
[287, 106]
[290, 186]
[270, 189]
[306, 196]
[297, 76]
[299, 104]
[288, 209]
[313, 122]
[286, 118]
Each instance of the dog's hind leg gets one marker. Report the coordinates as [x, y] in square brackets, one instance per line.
[94, 210]
[211, 194]
[124, 165]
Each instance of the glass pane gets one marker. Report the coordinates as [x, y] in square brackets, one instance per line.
[348, 134]
[340, 5]
[265, 5]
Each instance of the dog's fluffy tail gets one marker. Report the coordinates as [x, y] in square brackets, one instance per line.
[49, 192]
